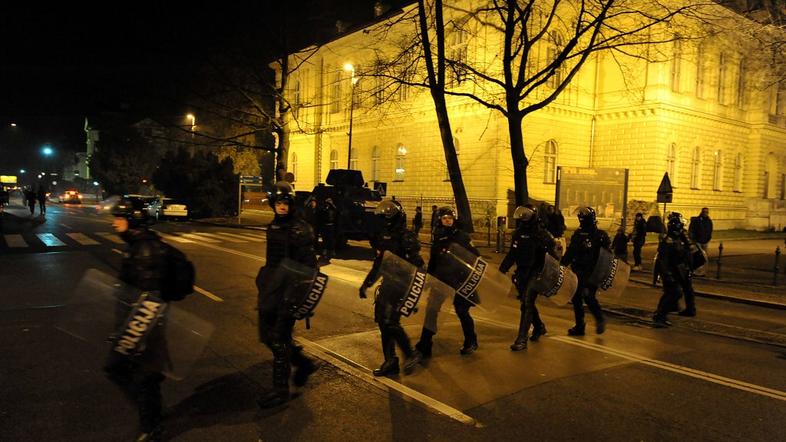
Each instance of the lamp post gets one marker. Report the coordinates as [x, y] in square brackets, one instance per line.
[350, 68]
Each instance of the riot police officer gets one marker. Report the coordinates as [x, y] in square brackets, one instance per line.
[396, 239]
[582, 256]
[528, 250]
[327, 217]
[448, 232]
[288, 236]
[674, 267]
[143, 267]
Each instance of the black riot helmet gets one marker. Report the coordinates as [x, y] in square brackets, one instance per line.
[675, 224]
[132, 209]
[587, 217]
[525, 217]
[282, 191]
[392, 213]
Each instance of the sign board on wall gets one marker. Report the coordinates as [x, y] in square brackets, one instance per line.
[605, 190]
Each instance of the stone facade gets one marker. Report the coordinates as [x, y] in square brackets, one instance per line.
[722, 140]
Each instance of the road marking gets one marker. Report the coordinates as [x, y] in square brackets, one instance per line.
[82, 239]
[202, 291]
[221, 237]
[245, 238]
[50, 240]
[687, 371]
[66, 226]
[15, 241]
[110, 237]
[199, 237]
[359, 371]
[174, 237]
[234, 252]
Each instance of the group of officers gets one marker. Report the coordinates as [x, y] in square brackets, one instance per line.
[291, 237]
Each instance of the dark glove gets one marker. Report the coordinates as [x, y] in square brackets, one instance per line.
[362, 292]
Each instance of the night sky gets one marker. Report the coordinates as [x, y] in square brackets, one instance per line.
[62, 62]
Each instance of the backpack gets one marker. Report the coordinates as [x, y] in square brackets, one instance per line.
[179, 276]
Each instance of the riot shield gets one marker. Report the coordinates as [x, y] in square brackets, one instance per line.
[106, 314]
[475, 279]
[698, 257]
[555, 281]
[406, 287]
[305, 287]
[610, 274]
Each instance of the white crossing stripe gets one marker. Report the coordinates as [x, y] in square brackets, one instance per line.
[15, 241]
[247, 236]
[229, 237]
[109, 236]
[200, 237]
[82, 239]
[50, 240]
[174, 238]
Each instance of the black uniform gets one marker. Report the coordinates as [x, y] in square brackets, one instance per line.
[403, 243]
[674, 267]
[443, 238]
[639, 236]
[528, 250]
[326, 219]
[582, 255]
[143, 266]
[288, 236]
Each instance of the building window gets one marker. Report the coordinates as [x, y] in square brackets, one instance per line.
[296, 98]
[717, 171]
[401, 163]
[293, 165]
[700, 71]
[333, 159]
[743, 72]
[379, 84]
[676, 64]
[783, 186]
[335, 93]
[738, 173]
[695, 168]
[353, 159]
[550, 162]
[766, 184]
[456, 49]
[723, 69]
[555, 47]
[375, 163]
[671, 163]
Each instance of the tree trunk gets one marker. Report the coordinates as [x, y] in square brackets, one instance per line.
[519, 159]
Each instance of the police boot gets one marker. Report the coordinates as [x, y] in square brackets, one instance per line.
[578, 330]
[389, 367]
[273, 398]
[688, 313]
[539, 331]
[305, 368]
[660, 321]
[600, 326]
[425, 343]
[470, 346]
[280, 393]
[519, 344]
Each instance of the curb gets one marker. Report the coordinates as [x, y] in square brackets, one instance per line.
[714, 295]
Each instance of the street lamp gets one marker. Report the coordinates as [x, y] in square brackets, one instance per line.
[22, 171]
[47, 150]
[350, 68]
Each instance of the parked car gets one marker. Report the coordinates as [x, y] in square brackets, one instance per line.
[168, 208]
[146, 200]
[71, 197]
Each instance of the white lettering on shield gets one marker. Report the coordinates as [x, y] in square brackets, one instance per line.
[138, 326]
[471, 284]
[314, 295]
[413, 294]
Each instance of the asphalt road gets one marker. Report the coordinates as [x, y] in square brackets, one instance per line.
[631, 383]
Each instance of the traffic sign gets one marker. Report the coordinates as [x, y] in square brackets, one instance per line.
[665, 192]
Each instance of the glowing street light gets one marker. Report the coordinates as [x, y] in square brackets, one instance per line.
[348, 67]
[13, 124]
[22, 171]
[47, 150]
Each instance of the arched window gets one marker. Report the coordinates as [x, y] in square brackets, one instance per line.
[293, 165]
[555, 47]
[671, 163]
[695, 168]
[700, 74]
[723, 73]
[550, 162]
[296, 97]
[717, 171]
[741, 83]
[401, 163]
[333, 159]
[353, 159]
[676, 64]
[738, 173]
[375, 163]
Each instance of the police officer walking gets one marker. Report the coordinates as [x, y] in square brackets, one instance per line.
[528, 250]
[639, 237]
[143, 266]
[582, 256]
[674, 267]
[448, 232]
[288, 236]
[327, 217]
[396, 239]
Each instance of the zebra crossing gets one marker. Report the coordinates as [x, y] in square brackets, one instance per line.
[57, 241]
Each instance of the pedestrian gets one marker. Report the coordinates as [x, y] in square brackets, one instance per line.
[700, 230]
[638, 237]
[434, 220]
[619, 245]
[674, 267]
[288, 236]
[396, 239]
[30, 198]
[310, 216]
[582, 256]
[446, 233]
[144, 266]
[326, 218]
[417, 221]
[41, 197]
[528, 248]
